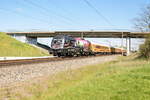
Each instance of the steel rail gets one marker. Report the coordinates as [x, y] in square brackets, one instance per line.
[8, 63]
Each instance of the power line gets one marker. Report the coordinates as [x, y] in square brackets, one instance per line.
[24, 15]
[63, 10]
[98, 12]
[30, 6]
[47, 10]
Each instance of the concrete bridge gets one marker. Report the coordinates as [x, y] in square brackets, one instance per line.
[89, 34]
[31, 37]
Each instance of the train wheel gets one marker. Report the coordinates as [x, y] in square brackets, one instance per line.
[59, 55]
[72, 54]
[78, 55]
[54, 54]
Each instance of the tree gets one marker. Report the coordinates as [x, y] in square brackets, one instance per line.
[144, 50]
[142, 22]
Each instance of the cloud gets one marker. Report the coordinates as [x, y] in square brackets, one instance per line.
[19, 10]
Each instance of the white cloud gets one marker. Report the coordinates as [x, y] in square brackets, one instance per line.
[19, 9]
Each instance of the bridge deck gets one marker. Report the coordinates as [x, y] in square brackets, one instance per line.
[88, 34]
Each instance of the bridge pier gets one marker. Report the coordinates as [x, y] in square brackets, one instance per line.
[31, 40]
[25, 39]
[19, 37]
[128, 45]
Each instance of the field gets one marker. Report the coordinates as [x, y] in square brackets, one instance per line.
[124, 79]
[11, 47]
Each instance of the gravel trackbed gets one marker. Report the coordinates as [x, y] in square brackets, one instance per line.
[19, 73]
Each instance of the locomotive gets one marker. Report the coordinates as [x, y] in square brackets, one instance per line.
[64, 45]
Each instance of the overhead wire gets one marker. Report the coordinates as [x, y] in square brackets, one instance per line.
[30, 6]
[98, 12]
[48, 10]
[24, 15]
[66, 11]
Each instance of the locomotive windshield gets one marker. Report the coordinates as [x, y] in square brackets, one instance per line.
[57, 42]
[62, 41]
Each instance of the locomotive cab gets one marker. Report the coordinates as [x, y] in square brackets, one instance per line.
[63, 45]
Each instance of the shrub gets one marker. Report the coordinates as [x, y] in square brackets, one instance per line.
[144, 50]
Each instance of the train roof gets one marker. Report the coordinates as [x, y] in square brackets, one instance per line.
[99, 44]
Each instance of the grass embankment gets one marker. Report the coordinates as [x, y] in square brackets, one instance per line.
[124, 79]
[11, 47]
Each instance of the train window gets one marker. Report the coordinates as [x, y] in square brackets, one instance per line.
[59, 41]
[56, 41]
[66, 40]
[98, 47]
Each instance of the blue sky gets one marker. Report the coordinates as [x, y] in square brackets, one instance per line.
[52, 15]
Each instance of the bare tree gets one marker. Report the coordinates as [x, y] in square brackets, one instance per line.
[142, 22]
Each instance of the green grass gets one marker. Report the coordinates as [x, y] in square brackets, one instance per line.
[124, 79]
[132, 85]
[11, 47]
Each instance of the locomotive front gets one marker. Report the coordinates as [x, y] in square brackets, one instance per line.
[63, 45]
[57, 42]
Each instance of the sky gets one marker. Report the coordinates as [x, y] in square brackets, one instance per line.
[54, 15]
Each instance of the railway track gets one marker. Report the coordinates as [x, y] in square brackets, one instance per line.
[4, 63]
[7, 63]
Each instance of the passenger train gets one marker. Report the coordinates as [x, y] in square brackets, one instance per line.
[64, 45]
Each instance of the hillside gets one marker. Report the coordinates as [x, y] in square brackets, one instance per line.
[11, 47]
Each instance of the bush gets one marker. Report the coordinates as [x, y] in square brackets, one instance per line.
[144, 50]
